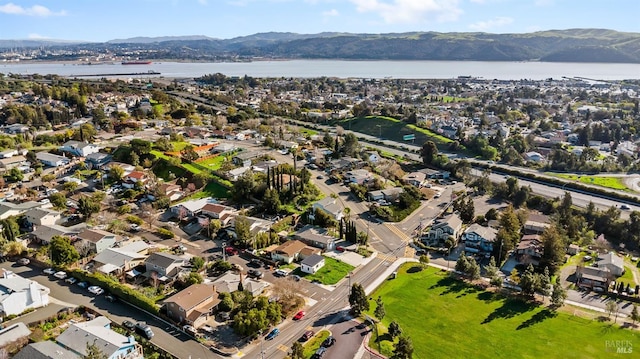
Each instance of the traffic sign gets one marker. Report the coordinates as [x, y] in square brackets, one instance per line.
[410, 137]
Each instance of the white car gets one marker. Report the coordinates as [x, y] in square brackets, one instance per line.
[134, 227]
[60, 275]
[49, 271]
[94, 289]
[71, 280]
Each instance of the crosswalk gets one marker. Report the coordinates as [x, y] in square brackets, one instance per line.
[386, 257]
[405, 238]
[283, 348]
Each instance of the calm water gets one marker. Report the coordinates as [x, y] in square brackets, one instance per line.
[344, 69]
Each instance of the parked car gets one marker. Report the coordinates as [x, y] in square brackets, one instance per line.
[624, 206]
[272, 334]
[134, 227]
[23, 261]
[280, 273]
[71, 280]
[129, 325]
[83, 284]
[296, 277]
[255, 263]
[329, 341]
[94, 289]
[231, 251]
[320, 352]
[307, 335]
[143, 329]
[299, 315]
[60, 275]
[111, 298]
[255, 273]
[49, 271]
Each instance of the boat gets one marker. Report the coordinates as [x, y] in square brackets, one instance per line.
[136, 62]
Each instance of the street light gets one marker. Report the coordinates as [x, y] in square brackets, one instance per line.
[224, 250]
[261, 344]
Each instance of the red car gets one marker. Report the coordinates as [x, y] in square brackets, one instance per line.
[231, 251]
[299, 315]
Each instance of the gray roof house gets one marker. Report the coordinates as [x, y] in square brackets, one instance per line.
[42, 216]
[118, 260]
[479, 239]
[13, 332]
[8, 209]
[442, 229]
[316, 237]
[165, 265]
[46, 350]
[112, 344]
[96, 239]
[43, 234]
[312, 263]
[612, 262]
[51, 160]
[330, 206]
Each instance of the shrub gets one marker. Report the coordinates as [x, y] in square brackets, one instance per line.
[165, 233]
[124, 209]
[135, 219]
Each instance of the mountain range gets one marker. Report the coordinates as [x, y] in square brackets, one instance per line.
[572, 45]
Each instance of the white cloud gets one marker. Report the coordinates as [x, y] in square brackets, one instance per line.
[35, 10]
[543, 2]
[332, 12]
[491, 24]
[411, 11]
[37, 37]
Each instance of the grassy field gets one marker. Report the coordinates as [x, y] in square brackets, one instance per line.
[457, 321]
[608, 182]
[213, 163]
[212, 189]
[392, 129]
[331, 273]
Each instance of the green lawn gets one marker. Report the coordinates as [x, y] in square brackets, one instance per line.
[213, 163]
[447, 318]
[393, 129]
[607, 182]
[212, 189]
[331, 273]
[627, 276]
[314, 343]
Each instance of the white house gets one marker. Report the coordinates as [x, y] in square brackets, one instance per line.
[329, 205]
[18, 294]
[612, 263]
[77, 148]
[312, 263]
[42, 216]
[51, 160]
[534, 157]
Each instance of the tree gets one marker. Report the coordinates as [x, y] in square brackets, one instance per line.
[394, 329]
[462, 264]
[140, 147]
[545, 283]
[214, 227]
[297, 351]
[634, 316]
[243, 230]
[62, 251]
[350, 146]
[496, 281]
[358, 299]
[93, 351]
[467, 210]
[554, 249]
[473, 269]
[193, 278]
[197, 263]
[424, 260]
[243, 187]
[70, 186]
[490, 269]
[88, 205]
[379, 313]
[558, 295]
[189, 154]
[529, 281]
[13, 249]
[429, 152]
[271, 201]
[514, 277]
[15, 175]
[403, 348]
[116, 172]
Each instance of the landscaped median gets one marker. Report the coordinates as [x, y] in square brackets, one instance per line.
[314, 343]
[457, 320]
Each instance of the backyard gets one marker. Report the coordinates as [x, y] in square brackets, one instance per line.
[458, 320]
[332, 272]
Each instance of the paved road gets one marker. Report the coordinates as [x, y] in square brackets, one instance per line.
[171, 340]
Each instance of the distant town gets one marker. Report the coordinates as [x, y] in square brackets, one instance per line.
[253, 217]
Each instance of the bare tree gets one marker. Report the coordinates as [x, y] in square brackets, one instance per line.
[148, 213]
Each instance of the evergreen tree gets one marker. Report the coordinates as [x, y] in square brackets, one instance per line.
[403, 349]
[558, 295]
[93, 352]
[634, 316]
[358, 299]
[394, 329]
[379, 313]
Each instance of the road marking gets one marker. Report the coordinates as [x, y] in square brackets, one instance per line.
[403, 236]
[283, 348]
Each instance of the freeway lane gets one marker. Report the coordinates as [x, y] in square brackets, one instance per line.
[171, 340]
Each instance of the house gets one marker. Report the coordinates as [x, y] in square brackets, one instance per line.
[529, 250]
[536, 223]
[415, 178]
[375, 196]
[192, 305]
[163, 266]
[7, 164]
[14, 332]
[244, 158]
[191, 208]
[46, 350]
[330, 206]
[44, 234]
[18, 294]
[8, 209]
[359, 176]
[442, 229]
[51, 160]
[316, 237]
[534, 157]
[8, 153]
[392, 194]
[120, 260]
[96, 240]
[312, 263]
[217, 211]
[131, 179]
[573, 249]
[98, 331]
[80, 149]
[479, 239]
[288, 251]
[591, 277]
[435, 174]
[172, 191]
[611, 262]
[235, 173]
[41, 216]
[229, 282]
[98, 160]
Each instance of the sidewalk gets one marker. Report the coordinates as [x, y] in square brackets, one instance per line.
[390, 269]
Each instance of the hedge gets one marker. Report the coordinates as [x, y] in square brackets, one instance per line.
[166, 233]
[114, 287]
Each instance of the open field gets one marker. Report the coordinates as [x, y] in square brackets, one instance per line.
[392, 129]
[331, 273]
[607, 182]
[457, 320]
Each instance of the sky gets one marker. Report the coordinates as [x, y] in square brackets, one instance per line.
[103, 20]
